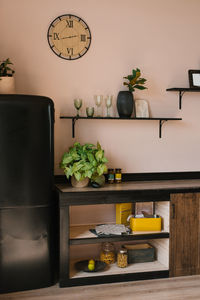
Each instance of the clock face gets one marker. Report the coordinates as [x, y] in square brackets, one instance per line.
[69, 37]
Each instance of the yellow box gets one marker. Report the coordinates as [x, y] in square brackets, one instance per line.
[145, 224]
[123, 210]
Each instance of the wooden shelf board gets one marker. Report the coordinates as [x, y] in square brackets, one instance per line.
[115, 270]
[83, 232]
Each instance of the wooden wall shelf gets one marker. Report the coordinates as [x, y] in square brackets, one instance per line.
[181, 92]
[161, 120]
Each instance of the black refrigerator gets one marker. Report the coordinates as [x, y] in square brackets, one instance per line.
[27, 206]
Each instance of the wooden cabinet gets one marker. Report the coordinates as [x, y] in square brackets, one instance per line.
[184, 234]
[177, 245]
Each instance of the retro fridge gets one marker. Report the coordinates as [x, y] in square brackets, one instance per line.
[27, 207]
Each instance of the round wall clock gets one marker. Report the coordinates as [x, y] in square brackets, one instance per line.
[69, 37]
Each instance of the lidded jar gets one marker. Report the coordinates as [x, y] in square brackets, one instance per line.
[118, 175]
[111, 176]
[107, 254]
[122, 258]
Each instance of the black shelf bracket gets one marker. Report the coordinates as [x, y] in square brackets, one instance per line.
[182, 91]
[180, 98]
[161, 122]
[74, 119]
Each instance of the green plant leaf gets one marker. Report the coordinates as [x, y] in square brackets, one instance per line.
[67, 158]
[88, 173]
[99, 155]
[134, 73]
[130, 77]
[77, 175]
[141, 81]
[91, 157]
[98, 146]
[68, 172]
[131, 89]
[77, 166]
[104, 160]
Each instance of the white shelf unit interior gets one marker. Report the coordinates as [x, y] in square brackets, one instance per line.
[88, 251]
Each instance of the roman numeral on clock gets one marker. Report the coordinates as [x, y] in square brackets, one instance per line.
[56, 36]
[69, 23]
[70, 51]
[83, 37]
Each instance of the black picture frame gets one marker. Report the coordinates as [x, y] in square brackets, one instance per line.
[194, 79]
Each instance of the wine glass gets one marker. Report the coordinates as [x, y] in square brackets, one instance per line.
[108, 102]
[78, 103]
[98, 101]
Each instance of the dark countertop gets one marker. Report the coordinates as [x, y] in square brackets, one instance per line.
[176, 186]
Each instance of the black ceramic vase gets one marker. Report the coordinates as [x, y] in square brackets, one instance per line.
[125, 104]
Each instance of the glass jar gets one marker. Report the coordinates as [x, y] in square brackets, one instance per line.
[122, 258]
[111, 176]
[118, 175]
[107, 254]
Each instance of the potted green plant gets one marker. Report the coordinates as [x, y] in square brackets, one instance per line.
[7, 83]
[125, 99]
[83, 163]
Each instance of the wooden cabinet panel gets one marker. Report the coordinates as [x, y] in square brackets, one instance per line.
[184, 234]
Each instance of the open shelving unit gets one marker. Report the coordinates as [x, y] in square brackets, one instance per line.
[161, 120]
[80, 235]
[78, 243]
[181, 92]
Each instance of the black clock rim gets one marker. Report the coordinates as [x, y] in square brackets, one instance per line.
[86, 26]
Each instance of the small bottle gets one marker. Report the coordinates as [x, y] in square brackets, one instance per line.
[118, 175]
[122, 258]
[111, 176]
[107, 254]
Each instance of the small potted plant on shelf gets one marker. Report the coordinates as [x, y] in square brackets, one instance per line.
[84, 163]
[125, 99]
[7, 83]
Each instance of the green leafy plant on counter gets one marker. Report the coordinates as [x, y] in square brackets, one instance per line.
[84, 161]
[135, 81]
[5, 69]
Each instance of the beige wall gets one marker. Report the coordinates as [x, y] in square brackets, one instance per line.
[158, 36]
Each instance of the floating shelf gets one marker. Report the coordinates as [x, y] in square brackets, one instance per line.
[181, 92]
[161, 121]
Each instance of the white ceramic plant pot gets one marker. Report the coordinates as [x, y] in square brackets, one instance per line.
[7, 85]
[81, 183]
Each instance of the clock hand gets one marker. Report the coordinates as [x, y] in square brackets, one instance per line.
[68, 37]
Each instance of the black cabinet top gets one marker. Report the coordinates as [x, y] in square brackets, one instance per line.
[131, 191]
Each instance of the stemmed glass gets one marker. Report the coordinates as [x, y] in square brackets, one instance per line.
[108, 102]
[78, 103]
[98, 101]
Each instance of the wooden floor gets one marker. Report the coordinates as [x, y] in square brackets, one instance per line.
[179, 288]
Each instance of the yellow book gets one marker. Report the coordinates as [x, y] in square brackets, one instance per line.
[123, 210]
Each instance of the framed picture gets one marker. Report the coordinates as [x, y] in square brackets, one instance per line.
[194, 79]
